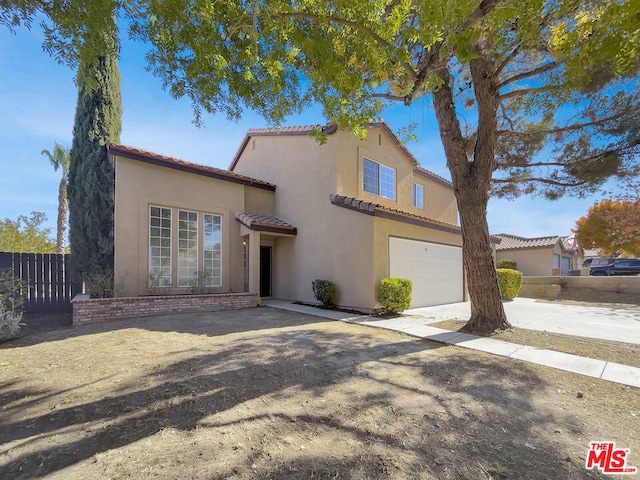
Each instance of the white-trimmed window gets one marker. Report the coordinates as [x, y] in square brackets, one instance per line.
[379, 179]
[159, 247]
[212, 250]
[187, 248]
[418, 195]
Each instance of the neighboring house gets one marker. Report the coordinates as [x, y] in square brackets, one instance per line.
[542, 256]
[349, 211]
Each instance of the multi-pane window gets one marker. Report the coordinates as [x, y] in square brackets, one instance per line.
[187, 248]
[245, 262]
[159, 247]
[418, 195]
[212, 250]
[379, 179]
[196, 264]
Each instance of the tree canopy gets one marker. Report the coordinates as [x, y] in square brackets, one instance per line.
[26, 235]
[613, 226]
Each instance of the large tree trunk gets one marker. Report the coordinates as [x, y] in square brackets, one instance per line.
[62, 216]
[471, 181]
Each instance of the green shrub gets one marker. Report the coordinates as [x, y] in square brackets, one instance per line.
[509, 281]
[324, 291]
[99, 284]
[511, 264]
[11, 305]
[395, 294]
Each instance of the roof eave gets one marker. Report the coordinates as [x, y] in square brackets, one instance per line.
[120, 151]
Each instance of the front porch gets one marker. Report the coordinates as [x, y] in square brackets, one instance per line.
[260, 235]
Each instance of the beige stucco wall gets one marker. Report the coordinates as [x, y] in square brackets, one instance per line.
[140, 185]
[534, 261]
[531, 261]
[379, 146]
[332, 243]
[258, 200]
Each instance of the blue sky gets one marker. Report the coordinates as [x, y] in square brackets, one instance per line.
[37, 105]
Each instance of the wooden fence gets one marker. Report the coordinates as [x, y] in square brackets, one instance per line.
[47, 284]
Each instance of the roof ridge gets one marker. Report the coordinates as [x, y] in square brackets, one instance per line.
[291, 129]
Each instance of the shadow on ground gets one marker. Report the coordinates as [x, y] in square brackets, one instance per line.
[262, 393]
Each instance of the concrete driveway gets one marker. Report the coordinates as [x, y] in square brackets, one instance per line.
[593, 322]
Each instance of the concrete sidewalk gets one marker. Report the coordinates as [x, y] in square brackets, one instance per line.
[523, 313]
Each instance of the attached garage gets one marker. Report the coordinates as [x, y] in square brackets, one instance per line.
[435, 270]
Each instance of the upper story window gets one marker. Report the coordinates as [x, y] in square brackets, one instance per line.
[418, 195]
[379, 179]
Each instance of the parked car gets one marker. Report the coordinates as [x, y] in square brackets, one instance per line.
[597, 261]
[619, 267]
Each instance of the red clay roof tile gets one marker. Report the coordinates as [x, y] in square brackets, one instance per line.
[259, 222]
[163, 160]
[512, 242]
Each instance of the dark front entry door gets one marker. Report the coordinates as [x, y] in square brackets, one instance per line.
[265, 271]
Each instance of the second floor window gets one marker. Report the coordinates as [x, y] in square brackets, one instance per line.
[418, 195]
[379, 179]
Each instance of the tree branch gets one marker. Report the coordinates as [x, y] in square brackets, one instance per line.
[569, 128]
[524, 91]
[479, 13]
[539, 180]
[508, 59]
[527, 165]
[541, 69]
[387, 96]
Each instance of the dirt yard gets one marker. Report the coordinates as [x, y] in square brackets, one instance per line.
[268, 394]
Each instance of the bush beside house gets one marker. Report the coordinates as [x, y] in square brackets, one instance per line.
[324, 291]
[395, 294]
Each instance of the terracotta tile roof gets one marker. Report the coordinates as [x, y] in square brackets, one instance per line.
[294, 130]
[328, 130]
[592, 252]
[377, 210]
[164, 161]
[265, 223]
[512, 242]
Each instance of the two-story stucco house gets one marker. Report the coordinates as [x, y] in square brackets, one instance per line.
[288, 211]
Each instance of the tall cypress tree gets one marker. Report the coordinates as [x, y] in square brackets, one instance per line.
[98, 121]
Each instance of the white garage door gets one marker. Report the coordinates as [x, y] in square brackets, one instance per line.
[435, 270]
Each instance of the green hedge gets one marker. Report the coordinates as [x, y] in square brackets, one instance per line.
[395, 294]
[324, 291]
[512, 264]
[509, 281]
